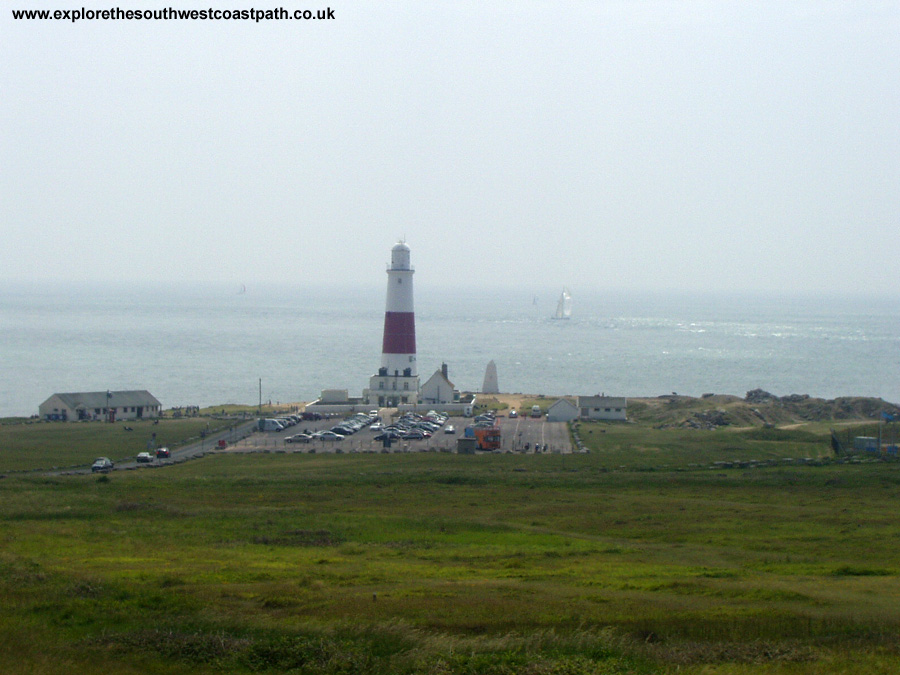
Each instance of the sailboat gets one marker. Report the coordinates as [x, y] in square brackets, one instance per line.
[564, 306]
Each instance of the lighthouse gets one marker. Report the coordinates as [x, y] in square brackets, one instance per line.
[397, 380]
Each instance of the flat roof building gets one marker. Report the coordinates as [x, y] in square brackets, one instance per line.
[602, 407]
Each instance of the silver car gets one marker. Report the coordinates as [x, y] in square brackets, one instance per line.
[102, 465]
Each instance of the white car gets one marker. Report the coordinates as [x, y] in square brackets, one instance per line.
[144, 457]
[328, 436]
[449, 429]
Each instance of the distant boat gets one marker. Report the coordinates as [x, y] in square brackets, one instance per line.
[564, 306]
[243, 290]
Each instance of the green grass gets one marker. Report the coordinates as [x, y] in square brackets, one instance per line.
[46, 445]
[646, 447]
[634, 558]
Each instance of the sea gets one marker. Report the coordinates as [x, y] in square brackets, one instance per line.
[212, 344]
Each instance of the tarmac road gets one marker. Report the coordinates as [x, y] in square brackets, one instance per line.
[197, 449]
[519, 431]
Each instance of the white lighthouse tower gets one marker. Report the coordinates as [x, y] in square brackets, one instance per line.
[397, 380]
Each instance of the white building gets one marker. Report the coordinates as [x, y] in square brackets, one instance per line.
[110, 406]
[602, 407]
[439, 389]
[562, 411]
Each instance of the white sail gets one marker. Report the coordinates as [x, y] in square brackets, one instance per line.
[564, 306]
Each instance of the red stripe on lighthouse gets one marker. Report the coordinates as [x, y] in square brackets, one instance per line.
[399, 333]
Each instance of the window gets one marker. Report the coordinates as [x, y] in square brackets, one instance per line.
[406, 385]
[381, 385]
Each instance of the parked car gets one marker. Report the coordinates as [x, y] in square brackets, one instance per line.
[269, 425]
[449, 429]
[102, 465]
[298, 438]
[513, 414]
[144, 457]
[328, 436]
[163, 453]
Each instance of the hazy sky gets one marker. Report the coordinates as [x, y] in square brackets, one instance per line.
[643, 145]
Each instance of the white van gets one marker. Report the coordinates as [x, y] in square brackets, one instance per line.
[270, 425]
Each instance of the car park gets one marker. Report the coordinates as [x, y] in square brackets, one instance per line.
[102, 465]
[144, 457]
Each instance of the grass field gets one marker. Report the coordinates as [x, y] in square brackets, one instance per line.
[48, 445]
[633, 558]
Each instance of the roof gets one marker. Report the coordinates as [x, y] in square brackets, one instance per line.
[602, 402]
[102, 399]
[440, 374]
[566, 402]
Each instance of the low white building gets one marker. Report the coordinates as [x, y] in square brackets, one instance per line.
[109, 406]
[439, 388]
[562, 411]
[602, 407]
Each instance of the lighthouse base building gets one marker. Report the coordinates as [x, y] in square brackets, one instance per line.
[392, 390]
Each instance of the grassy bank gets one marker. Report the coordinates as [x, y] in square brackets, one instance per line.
[454, 564]
[47, 445]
